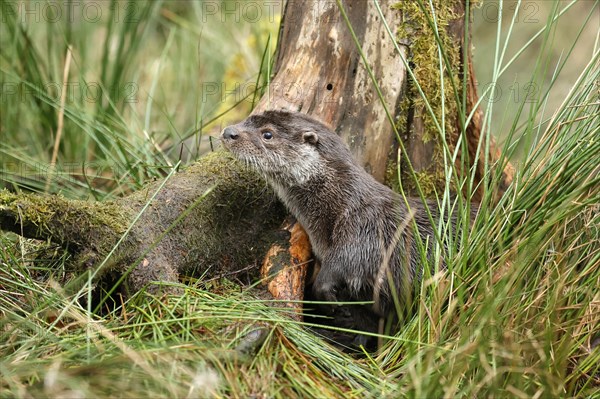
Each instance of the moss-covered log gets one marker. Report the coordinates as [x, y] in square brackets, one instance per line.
[212, 219]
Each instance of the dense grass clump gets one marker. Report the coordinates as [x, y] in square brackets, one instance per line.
[515, 314]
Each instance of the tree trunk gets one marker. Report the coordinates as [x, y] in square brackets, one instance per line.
[319, 71]
[216, 218]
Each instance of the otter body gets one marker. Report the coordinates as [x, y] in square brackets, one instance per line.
[360, 230]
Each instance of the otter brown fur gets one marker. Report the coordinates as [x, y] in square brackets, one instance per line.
[360, 230]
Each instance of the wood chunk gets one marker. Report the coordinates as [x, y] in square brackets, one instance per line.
[285, 267]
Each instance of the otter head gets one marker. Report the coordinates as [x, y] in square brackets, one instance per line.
[282, 146]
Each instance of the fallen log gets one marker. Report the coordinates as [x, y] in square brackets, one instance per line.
[214, 219]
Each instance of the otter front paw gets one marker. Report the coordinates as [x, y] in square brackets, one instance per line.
[324, 290]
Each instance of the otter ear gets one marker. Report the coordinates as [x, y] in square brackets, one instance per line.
[310, 137]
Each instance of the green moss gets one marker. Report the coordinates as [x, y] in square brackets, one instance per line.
[392, 175]
[25, 207]
[62, 219]
[429, 182]
[102, 215]
[424, 59]
[424, 56]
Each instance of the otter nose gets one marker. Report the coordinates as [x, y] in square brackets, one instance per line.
[229, 133]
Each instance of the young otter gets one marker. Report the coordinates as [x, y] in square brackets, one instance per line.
[360, 230]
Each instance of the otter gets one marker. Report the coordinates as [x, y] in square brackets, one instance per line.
[362, 233]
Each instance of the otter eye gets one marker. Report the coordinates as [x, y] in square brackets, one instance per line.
[267, 135]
